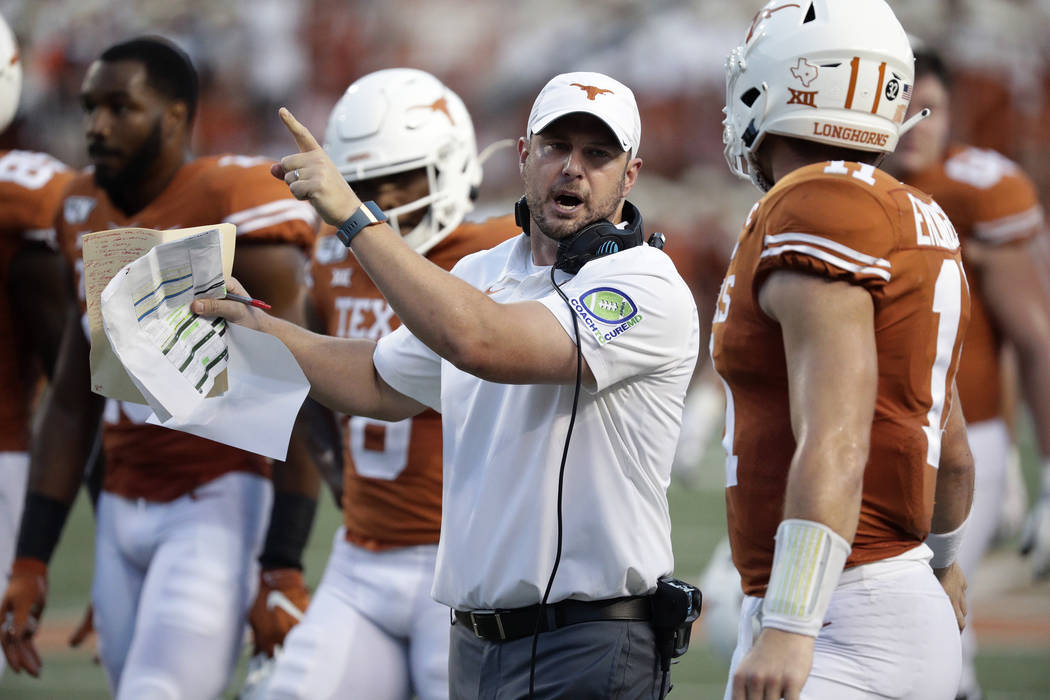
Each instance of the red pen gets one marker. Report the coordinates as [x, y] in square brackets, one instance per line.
[250, 302]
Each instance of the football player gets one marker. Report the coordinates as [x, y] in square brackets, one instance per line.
[838, 333]
[997, 214]
[37, 290]
[181, 519]
[372, 630]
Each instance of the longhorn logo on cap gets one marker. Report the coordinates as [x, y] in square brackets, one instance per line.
[592, 90]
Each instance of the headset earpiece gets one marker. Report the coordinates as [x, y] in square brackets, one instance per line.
[599, 239]
[522, 215]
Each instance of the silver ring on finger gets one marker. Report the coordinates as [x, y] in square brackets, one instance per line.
[298, 176]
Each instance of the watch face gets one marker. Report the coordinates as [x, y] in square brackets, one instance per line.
[376, 211]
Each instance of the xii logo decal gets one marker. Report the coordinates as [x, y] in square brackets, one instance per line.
[802, 97]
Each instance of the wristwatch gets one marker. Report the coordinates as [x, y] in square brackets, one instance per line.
[366, 215]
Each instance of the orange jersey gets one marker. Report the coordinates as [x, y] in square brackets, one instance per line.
[31, 186]
[146, 461]
[991, 202]
[853, 223]
[392, 477]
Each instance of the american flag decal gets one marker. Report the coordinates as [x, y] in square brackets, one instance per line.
[907, 91]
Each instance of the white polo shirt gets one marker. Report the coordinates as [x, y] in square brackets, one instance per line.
[503, 443]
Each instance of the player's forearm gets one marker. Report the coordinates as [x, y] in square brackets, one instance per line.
[954, 491]
[1012, 287]
[65, 431]
[62, 443]
[825, 484]
[320, 444]
[821, 508]
[1034, 365]
[296, 483]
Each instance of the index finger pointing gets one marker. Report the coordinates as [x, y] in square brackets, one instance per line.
[303, 138]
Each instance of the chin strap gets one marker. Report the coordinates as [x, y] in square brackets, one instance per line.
[913, 120]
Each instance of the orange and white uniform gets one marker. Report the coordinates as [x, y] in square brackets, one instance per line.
[31, 185]
[849, 222]
[372, 628]
[189, 512]
[992, 204]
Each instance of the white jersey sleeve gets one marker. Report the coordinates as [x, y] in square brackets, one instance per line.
[636, 315]
[410, 367]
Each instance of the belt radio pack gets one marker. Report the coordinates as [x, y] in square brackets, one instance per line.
[676, 605]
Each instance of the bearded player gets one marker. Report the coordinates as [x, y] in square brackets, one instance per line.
[181, 520]
[406, 141]
[837, 334]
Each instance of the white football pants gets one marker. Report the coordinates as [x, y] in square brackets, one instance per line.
[173, 584]
[889, 632]
[371, 630]
[14, 470]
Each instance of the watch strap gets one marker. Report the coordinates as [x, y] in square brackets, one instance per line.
[366, 215]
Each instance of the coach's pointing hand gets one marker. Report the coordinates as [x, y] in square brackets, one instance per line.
[311, 175]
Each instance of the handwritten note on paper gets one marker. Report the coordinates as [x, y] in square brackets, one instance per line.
[105, 254]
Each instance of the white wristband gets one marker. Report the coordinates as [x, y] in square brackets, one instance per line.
[807, 564]
[945, 545]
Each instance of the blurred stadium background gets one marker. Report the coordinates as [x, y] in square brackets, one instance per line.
[255, 55]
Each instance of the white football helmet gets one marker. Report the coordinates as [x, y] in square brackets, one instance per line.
[402, 119]
[10, 75]
[834, 71]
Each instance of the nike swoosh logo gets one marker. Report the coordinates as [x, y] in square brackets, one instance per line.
[490, 291]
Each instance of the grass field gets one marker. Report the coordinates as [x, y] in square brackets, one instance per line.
[1011, 614]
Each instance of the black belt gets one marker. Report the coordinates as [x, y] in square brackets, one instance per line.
[503, 625]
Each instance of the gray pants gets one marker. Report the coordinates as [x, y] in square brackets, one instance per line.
[600, 660]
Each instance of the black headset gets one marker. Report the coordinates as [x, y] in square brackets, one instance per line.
[594, 240]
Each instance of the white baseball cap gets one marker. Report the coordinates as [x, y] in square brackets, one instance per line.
[593, 93]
